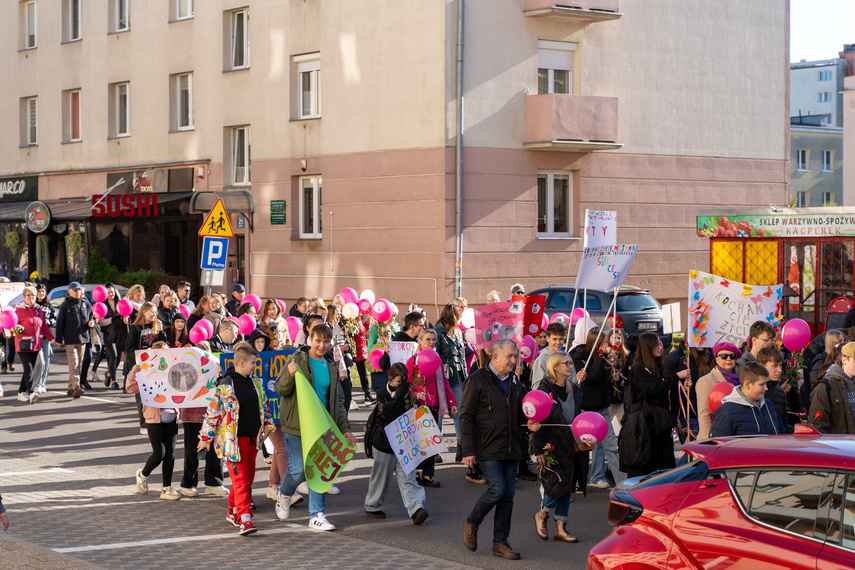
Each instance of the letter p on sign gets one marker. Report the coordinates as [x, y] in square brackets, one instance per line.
[214, 252]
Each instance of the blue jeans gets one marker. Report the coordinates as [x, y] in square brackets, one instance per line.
[501, 479]
[386, 465]
[296, 475]
[457, 390]
[43, 365]
[558, 508]
[606, 449]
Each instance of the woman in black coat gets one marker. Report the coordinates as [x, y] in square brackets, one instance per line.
[554, 446]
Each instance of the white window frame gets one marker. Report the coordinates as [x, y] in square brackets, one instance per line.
[118, 91]
[241, 177]
[550, 177]
[555, 56]
[309, 68]
[827, 198]
[802, 158]
[122, 6]
[316, 231]
[825, 96]
[801, 199]
[31, 22]
[74, 20]
[828, 160]
[183, 106]
[68, 116]
[233, 30]
[30, 121]
[825, 75]
[188, 7]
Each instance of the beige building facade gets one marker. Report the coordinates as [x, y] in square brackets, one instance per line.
[347, 111]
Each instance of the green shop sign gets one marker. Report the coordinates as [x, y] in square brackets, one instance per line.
[777, 225]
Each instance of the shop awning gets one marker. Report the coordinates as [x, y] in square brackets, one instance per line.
[71, 208]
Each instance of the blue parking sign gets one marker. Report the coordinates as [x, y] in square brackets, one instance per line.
[214, 252]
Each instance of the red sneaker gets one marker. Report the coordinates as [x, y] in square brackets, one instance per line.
[232, 519]
[246, 527]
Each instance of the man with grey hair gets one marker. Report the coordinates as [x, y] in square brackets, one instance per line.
[490, 419]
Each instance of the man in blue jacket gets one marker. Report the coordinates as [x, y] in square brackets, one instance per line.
[745, 411]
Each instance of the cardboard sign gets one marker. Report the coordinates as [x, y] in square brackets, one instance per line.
[401, 351]
[722, 310]
[499, 321]
[176, 377]
[600, 228]
[414, 437]
[605, 267]
[268, 365]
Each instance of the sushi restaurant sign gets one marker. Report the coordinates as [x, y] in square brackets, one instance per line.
[775, 225]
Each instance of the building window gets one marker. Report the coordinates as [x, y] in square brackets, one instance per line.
[120, 110]
[29, 26]
[802, 159]
[825, 75]
[181, 9]
[554, 205]
[238, 56]
[71, 116]
[71, 23]
[828, 161]
[308, 85]
[120, 15]
[824, 96]
[29, 121]
[555, 67]
[828, 199]
[310, 207]
[240, 155]
[181, 101]
[801, 200]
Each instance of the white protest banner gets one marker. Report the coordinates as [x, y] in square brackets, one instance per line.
[414, 437]
[722, 310]
[605, 267]
[499, 321]
[401, 351]
[600, 228]
[11, 294]
[176, 377]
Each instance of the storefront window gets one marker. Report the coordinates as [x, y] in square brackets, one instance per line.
[14, 253]
[75, 249]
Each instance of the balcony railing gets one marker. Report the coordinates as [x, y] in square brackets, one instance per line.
[573, 123]
[586, 11]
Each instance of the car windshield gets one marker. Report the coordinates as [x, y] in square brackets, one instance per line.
[563, 301]
[636, 302]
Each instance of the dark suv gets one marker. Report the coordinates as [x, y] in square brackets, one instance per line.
[637, 310]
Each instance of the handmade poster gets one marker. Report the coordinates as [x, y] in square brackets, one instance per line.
[401, 351]
[325, 450]
[11, 294]
[176, 377]
[414, 437]
[722, 310]
[605, 267]
[499, 321]
[268, 365]
[600, 228]
[533, 314]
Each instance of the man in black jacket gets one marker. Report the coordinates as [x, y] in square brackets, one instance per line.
[238, 294]
[414, 323]
[225, 337]
[72, 329]
[490, 420]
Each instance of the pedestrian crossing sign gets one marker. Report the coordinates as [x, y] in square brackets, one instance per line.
[217, 223]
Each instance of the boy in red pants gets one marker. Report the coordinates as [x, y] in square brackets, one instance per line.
[238, 420]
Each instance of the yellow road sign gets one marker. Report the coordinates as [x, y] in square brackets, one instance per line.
[217, 223]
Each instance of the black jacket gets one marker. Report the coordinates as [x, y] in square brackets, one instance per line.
[647, 387]
[571, 469]
[739, 416]
[232, 307]
[776, 396]
[490, 420]
[119, 330]
[295, 312]
[166, 316]
[256, 334]
[674, 362]
[829, 397]
[597, 386]
[137, 340]
[72, 322]
[390, 406]
[218, 345]
[385, 363]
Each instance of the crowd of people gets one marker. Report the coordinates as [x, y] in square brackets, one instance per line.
[646, 392]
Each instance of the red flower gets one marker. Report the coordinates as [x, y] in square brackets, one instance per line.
[819, 414]
[600, 351]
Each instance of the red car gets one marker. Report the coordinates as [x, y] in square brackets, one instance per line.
[764, 502]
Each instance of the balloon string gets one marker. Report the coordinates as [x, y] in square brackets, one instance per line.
[548, 469]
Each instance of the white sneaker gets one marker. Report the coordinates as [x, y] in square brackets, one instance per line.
[601, 484]
[303, 489]
[95, 377]
[296, 498]
[221, 490]
[283, 506]
[320, 522]
[22, 397]
[273, 493]
[188, 491]
[143, 431]
[333, 490]
[33, 397]
[142, 483]
[41, 389]
[169, 494]
[353, 405]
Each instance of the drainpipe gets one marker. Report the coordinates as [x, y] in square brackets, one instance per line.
[458, 210]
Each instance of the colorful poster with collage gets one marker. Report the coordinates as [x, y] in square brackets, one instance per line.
[176, 377]
[414, 437]
[605, 267]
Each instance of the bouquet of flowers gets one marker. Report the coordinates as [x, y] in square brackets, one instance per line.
[549, 455]
[615, 367]
[793, 367]
[17, 330]
[350, 327]
[417, 387]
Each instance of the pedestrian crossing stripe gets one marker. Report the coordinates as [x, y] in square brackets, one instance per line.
[217, 223]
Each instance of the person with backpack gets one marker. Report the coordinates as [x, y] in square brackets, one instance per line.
[831, 399]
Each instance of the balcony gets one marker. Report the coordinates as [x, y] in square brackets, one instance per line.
[571, 123]
[585, 11]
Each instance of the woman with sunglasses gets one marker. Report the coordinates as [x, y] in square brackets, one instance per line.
[725, 355]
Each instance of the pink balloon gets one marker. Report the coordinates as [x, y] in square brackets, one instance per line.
[185, 310]
[374, 358]
[246, 324]
[528, 350]
[207, 326]
[590, 427]
[283, 308]
[536, 405]
[125, 308]
[99, 295]
[197, 334]
[544, 322]
[382, 310]
[231, 318]
[252, 298]
[559, 316]
[99, 310]
[8, 319]
[795, 335]
[348, 295]
[293, 324]
[428, 361]
[578, 313]
[364, 306]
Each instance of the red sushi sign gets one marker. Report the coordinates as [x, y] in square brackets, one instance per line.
[124, 205]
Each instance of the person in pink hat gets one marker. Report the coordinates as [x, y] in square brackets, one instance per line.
[725, 355]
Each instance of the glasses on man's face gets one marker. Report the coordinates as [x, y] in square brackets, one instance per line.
[727, 356]
[764, 340]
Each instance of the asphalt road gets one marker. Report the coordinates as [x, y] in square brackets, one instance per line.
[66, 476]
